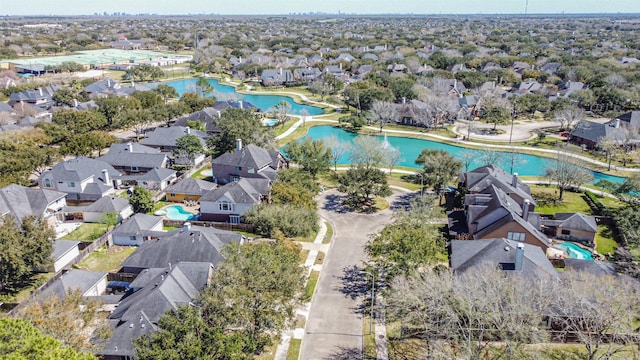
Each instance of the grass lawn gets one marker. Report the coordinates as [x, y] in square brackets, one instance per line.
[380, 204]
[86, 232]
[310, 288]
[319, 258]
[547, 204]
[605, 244]
[329, 234]
[108, 260]
[403, 181]
[159, 205]
[198, 174]
[369, 351]
[294, 349]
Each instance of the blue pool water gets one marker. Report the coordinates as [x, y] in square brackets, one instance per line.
[574, 251]
[524, 165]
[263, 102]
[269, 122]
[176, 212]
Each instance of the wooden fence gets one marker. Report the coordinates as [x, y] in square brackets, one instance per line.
[217, 225]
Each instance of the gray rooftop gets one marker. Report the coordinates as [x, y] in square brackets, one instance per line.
[61, 247]
[134, 154]
[167, 136]
[250, 156]
[80, 169]
[71, 280]
[104, 205]
[137, 223]
[21, 201]
[191, 186]
[243, 191]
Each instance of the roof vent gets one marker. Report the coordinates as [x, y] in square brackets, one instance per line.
[131, 326]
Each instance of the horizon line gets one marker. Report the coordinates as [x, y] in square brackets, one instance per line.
[318, 13]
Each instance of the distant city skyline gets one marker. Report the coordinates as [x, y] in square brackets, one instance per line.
[277, 7]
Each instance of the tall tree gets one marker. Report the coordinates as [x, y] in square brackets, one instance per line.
[610, 147]
[382, 112]
[195, 102]
[568, 116]
[166, 92]
[439, 168]
[367, 151]
[312, 155]
[337, 148]
[187, 148]
[566, 173]
[204, 87]
[360, 183]
[240, 124]
[24, 248]
[141, 200]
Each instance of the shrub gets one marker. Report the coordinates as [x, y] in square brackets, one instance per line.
[292, 221]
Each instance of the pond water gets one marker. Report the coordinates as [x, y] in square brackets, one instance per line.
[263, 102]
[524, 164]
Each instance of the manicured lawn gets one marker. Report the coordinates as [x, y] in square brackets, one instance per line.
[547, 204]
[380, 204]
[86, 232]
[611, 203]
[369, 351]
[294, 349]
[198, 174]
[403, 181]
[319, 258]
[605, 244]
[311, 285]
[107, 259]
[329, 234]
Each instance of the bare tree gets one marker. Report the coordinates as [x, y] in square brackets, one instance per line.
[338, 149]
[600, 311]
[466, 157]
[628, 138]
[615, 80]
[367, 151]
[610, 147]
[391, 156]
[382, 112]
[568, 117]
[566, 173]
[491, 157]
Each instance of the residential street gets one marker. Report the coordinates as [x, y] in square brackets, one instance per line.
[334, 325]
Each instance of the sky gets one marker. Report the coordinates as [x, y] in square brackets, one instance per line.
[268, 7]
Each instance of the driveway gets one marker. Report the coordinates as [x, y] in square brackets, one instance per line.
[334, 326]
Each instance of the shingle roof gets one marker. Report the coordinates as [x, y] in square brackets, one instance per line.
[594, 131]
[467, 254]
[167, 136]
[143, 156]
[199, 244]
[71, 280]
[208, 116]
[243, 191]
[137, 223]
[250, 156]
[577, 221]
[480, 179]
[21, 201]
[80, 169]
[104, 204]
[61, 247]
[191, 186]
[594, 267]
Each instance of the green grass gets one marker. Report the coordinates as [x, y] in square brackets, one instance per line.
[329, 234]
[403, 181]
[198, 174]
[310, 288]
[159, 205]
[369, 351]
[546, 197]
[380, 204]
[109, 260]
[86, 232]
[294, 349]
[319, 258]
[605, 243]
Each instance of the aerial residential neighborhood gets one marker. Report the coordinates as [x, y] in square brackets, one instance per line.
[372, 184]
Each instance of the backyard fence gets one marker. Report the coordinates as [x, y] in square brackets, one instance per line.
[217, 225]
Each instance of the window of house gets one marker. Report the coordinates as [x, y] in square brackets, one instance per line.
[132, 238]
[238, 168]
[225, 206]
[71, 184]
[516, 236]
[251, 170]
[172, 194]
[566, 232]
[47, 183]
[234, 219]
[134, 168]
[235, 178]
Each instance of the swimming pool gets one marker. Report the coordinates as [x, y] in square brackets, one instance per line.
[176, 212]
[269, 122]
[574, 251]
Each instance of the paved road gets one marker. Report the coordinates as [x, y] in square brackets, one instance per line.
[334, 325]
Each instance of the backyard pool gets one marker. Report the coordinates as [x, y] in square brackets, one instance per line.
[176, 212]
[269, 122]
[574, 251]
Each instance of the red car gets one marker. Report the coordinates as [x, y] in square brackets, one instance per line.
[565, 134]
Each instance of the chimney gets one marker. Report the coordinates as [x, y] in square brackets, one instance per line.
[280, 71]
[340, 66]
[219, 114]
[187, 130]
[240, 104]
[238, 144]
[240, 61]
[525, 209]
[130, 147]
[105, 176]
[514, 180]
[185, 227]
[40, 91]
[616, 123]
[108, 83]
[517, 264]
[75, 103]
[404, 100]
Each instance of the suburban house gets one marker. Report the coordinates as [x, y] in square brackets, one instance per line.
[307, 74]
[414, 112]
[64, 251]
[156, 291]
[154, 179]
[41, 97]
[21, 201]
[134, 158]
[595, 267]
[481, 179]
[90, 283]
[277, 77]
[572, 226]
[229, 202]
[137, 229]
[589, 133]
[507, 255]
[107, 87]
[220, 105]
[82, 179]
[94, 212]
[248, 162]
[191, 243]
[164, 138]
[208, 116]
[189, 189]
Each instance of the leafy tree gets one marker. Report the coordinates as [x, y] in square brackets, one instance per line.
[290, 220]
[355, 122]
[239, 124]
[148, 99]
[195, 102]
[495, 115]
[360, 183]
[402, 87]
[144, 72]
[439, 167]
[166, 92]
[112, 108]
[24, 248]
[196, 125]
[262, 303]
[293, 194]
[188, 147]
[312, 155]
[281, 112]
[73, 319]
[109, 219]
[566, 173]
[19, 340]
[64, 96]
[141, 200]
[204, 87]
[78, 121]
[298, 177]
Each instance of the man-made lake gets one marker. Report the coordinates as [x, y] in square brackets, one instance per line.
[263, 102]
[524, 165]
